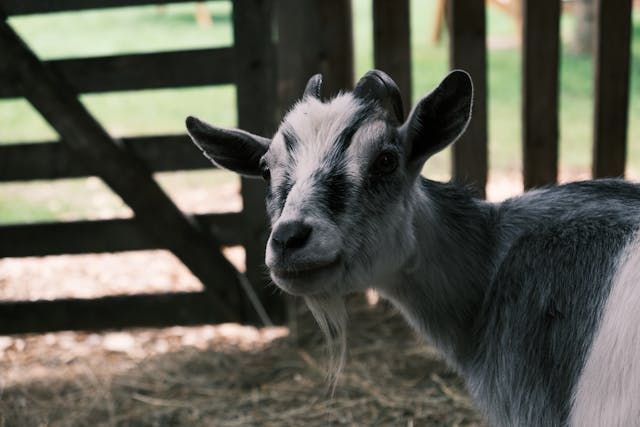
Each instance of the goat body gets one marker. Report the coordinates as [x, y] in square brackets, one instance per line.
[535, 300]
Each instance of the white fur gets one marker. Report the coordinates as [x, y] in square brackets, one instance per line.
[317, 125]
[608, 392]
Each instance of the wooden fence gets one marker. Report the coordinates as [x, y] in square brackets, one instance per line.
[540, 77]
[313, 36]
[126, 166]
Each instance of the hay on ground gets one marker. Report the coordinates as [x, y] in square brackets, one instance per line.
[230, 375]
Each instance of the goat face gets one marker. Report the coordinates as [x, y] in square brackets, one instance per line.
[339, 177]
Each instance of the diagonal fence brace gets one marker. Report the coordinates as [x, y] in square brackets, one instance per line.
[123, 172]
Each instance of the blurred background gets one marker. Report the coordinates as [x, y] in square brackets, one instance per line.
[230, 374]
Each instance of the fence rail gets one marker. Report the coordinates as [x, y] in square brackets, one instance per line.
[108, 235]
[123, 311]
[138, 71]
[53, 160]
[28, 7]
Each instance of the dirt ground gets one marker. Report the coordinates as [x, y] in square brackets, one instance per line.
[230, 375]
[223, 375]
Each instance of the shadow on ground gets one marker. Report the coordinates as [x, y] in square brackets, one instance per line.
[272, 379]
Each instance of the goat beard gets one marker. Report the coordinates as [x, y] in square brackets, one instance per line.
[330, 313]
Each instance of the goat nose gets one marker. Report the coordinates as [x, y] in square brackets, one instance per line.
[291, 235]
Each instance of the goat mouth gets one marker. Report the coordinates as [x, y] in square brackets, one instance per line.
[305, 271]
[301, 279]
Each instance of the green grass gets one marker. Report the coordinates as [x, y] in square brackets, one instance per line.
[16, 209]
[173, 27]
[124, 30]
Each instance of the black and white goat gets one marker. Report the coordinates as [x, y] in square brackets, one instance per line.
[535, 300]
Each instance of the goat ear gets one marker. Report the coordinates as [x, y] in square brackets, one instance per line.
[231, 149]
[439, 118]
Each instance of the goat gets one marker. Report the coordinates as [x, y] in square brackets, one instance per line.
[535, 301]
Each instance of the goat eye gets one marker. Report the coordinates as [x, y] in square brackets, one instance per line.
[385, 163]
[266, 174]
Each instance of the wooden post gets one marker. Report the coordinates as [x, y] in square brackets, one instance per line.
[127, 175]
[298, 50]
[541, 43]
[252, 23]
[468, 51]
[336, 55]
[611, 87]
[314, 36]
[392, 44]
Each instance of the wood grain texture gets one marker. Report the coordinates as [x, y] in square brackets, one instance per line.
[612, 62]
[336, 55]
[99, 236]
[54, 160]
[314, 36]
[256, 95]
[114, 312]
[468, 51]
[156, 215]
[392, 44]
[137, 71]
[540, 91]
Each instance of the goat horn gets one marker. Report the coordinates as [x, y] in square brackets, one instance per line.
[376, 85]
[314, 86]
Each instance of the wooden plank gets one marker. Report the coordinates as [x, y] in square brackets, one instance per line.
[336, 56]
[299, 49]
[256, 92]
[114, 312]
[127, 175]
[392, 44]
[320, 34]
[50, 160]
[468, 51]
[53, 160]
[540, 91]
[137, 71]
[612, 61]
[26, 7]
[98, 236]
[168, 152]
